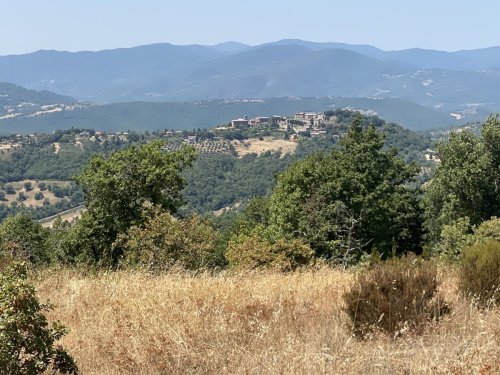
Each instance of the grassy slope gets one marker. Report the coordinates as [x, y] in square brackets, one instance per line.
[260, 323]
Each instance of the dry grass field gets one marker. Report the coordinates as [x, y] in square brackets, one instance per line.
[30, 195]
[261, 323]
[256, 146]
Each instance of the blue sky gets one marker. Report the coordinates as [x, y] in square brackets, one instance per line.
[29, 25]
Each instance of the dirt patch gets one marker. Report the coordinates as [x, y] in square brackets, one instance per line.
[30, 195]
[257, 146]
[65, 216]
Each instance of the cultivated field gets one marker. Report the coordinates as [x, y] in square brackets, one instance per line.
[257, 146]
[262, 323]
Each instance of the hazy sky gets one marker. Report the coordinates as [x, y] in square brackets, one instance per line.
[29, 25]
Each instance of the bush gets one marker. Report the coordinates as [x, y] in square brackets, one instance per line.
[26, 339]
[164, 242]
[460, 234]
[454, 237]
[42, 186]
[480, 272]
[395, 296]
[489, 229]
[253, 251]
[9, 189]
[39, 196]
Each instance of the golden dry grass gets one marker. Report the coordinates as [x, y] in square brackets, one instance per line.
[262, 323]
[256, 146]
[30, 195]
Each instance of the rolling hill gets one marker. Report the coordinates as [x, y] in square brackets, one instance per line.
[459, 85]
[16, 101]
[143, 116]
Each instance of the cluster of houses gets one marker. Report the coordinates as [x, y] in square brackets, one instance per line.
[311, 122]
[7, 145]
[99, 137]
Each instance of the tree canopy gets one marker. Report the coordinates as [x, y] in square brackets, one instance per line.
[466, 184]
[349, 200]
[117, 188]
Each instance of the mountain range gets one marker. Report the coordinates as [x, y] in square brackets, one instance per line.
[462, 85]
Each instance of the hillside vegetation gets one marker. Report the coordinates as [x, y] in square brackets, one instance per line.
[349, 263]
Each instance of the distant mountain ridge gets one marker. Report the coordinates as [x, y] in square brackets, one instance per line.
[16, 101]
[11, 94]
[460, 84]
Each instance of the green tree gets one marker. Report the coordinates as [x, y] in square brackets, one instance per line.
[9, 189]
[117, 188]
[27, 341]
[28, 186]
[2, 196]
[350, 200]
[24, 239]
[466, 184]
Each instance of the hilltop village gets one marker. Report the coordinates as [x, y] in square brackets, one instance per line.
[238, 137]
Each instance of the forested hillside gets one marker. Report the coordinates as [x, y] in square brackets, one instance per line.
[214, 182]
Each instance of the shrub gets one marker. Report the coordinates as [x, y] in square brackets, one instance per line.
[395, 296]
[480, 272]
[39, 196]
[454, 237]
[27, 342]
[460, 234]
[164, 242]
[253, 251]
[42, 186]
[489, 229]
[9, 189]
[21, 197]
[2, 196]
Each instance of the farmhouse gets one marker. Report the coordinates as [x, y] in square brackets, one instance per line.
[240, 123]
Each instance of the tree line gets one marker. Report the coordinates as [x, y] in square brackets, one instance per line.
[340, 205]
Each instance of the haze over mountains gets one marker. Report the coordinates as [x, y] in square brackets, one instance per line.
[456, 86]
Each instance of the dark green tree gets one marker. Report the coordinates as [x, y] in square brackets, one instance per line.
[9, 189]
[24, 239]
[117, 188]
[28, 186]
[352, 200]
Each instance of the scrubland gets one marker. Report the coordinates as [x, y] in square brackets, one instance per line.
[252, 323]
